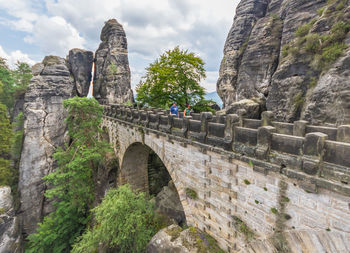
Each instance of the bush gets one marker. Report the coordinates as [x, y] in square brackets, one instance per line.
[331, 53]
[125, 222]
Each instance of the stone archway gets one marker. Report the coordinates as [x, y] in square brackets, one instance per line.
[135, 171]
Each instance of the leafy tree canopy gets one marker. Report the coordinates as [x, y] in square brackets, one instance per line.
[174, 77]
[72, 184]
[125, 222]
[15, 82]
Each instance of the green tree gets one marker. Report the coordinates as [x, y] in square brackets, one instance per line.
[8, 82]
[22, 75]
[72, 184]
[174, 76]
[6, 174]
[125, 222]
[15, 82]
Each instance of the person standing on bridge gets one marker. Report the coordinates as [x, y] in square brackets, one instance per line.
[174, 110]
[187, 111]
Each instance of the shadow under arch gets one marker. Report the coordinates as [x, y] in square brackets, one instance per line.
[134, 171]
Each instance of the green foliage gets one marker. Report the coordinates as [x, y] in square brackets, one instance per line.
[328, 229]
[15, 82]
[256, 201]
[274, 210]
[320, 11]
[246, 181]
[243, 228]
[285, 199]
[322, 49]
[125, 222]
[17, 139]
[265, 189]
[251, 164]
[72, 183]
[6, 174]
[304, 29]
[174, 76]
[174, 233]
[113, 69]
[191, 193]
[204, 242]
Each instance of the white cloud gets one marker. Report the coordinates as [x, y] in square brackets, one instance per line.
[55, 36]
[15, 56]
[151, 26]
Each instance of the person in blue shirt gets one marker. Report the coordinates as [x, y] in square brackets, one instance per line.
[174, 110]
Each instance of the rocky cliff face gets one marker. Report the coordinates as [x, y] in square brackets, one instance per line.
[57, 79]
[286, 55]
[112, 72]
[9, 227]
[44, 132]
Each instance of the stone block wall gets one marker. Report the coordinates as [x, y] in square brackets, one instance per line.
[258, 190]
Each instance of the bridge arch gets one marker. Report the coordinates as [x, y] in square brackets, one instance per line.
[134, 170]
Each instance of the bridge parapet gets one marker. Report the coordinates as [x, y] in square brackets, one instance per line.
[293, 149]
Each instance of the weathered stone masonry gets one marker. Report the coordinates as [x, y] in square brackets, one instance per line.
[288, 183]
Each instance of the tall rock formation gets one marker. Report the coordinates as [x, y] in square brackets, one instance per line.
[54, 80]
[282, 54]
[44, 131]
[112, 72]
[80, 63]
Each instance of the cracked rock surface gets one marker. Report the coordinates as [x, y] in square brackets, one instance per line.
[44, 130]
[256, 67]
[9, 232]
[112, 72]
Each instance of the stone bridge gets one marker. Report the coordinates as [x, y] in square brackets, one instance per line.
[262, 185]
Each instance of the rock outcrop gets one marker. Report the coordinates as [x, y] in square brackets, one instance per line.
[44, 131]
[80, 62]
[168, 203]
[267, 57]
[175, 239]
[9, 227]
[112, 72]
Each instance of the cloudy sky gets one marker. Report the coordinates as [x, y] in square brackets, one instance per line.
[31, 29]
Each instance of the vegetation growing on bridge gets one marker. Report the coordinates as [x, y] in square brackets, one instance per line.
[243, 228]
[191, 193]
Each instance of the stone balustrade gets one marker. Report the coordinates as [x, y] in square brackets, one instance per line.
[319, 151]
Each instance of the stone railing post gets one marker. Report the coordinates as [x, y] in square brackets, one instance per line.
[299, 128]
[264, 141]
[343, 133]
[266, 118]
[313, 152]
[205, 118]
[232, 121]
[241, 114]
[185, 125]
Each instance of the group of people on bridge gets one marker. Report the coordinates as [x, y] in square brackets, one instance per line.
[174, 110]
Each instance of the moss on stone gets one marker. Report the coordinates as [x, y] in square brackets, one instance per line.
[204, 242]
[243, 228]
[174, 232]
[274, 210]
[246, 181]
[191, 193]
